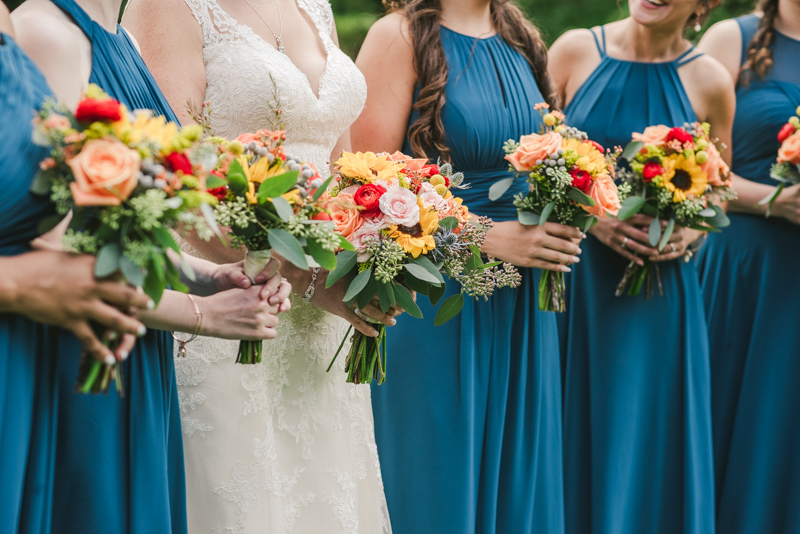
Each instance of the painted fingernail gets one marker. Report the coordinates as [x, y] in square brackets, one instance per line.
[151, 304]
[374, 333]
[566, 269]
[109, 359]
[575, 259]
[123, 354]
[580, 251]
[393, 322]
[141, 331]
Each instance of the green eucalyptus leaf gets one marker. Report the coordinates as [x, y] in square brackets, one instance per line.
[528, 218]
[237, 182]
[436, 293]
[580, 197]
[406, 301]
[283, 208]
[720, 220]
[325, 258]
[108, 260]
[321, 189]
[133, 273]
[546, 211]
[421, 273]
[345, 261]
[450, 308]
[165, 239]
[630, 207]
[386, 296]
[654, 233]
[287, 246]
[667, 234]
[631, 150]
[368, 293]
[357, 285]
[276, 186]
[428, 265]
[448, 223]
[344, 244]
[213, 182]
[499, 188]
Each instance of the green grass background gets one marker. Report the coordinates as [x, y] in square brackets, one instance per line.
[354, 17]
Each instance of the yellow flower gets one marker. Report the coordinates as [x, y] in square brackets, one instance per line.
[368, 167]
[145, 127]
[683, 177]
[263, 170]
[251, 193]
[416, 245]
[590, 159]
[292, 197]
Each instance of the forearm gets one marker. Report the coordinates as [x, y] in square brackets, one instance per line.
[298, 278]
[204, 283]
[10, 288]
[750, 194]
[175, 312]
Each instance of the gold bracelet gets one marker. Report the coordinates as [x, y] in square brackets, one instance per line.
[198, 325]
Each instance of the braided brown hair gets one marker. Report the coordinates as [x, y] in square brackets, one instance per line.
[759, 53]
[430, 63]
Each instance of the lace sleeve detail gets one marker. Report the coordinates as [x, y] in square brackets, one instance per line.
[216, 24]
[321, 13]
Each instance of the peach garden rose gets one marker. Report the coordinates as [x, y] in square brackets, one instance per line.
[653, 135]
[105, 173]
[604, 193]
[790, 149]
[532, 148]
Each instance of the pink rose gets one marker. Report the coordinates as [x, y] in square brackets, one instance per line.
[653, 135]
[714, 167]
[532, 148]
[345, 214]
[105, 173]
[369, 231]
[431, 198]
[604, 194]
[400, 206]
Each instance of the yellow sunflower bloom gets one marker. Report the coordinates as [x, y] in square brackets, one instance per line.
[251, 193]
[590, 159]
[263, 170]
[367, 166]
[421, 244]
[684, 177]
[145, 127]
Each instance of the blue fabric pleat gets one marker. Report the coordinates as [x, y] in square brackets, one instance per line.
[119, 465]
[637, 421]
[468, 422]
[751, 300]
[27, 366]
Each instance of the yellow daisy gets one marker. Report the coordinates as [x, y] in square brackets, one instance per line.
[590, 159]
[683, 177]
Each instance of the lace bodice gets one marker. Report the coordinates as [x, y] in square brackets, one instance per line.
[244, 102]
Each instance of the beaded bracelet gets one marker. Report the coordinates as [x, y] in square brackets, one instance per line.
[309, 294]
[198, 325]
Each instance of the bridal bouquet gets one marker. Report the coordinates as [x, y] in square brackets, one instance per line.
[674, 175]
[571, 182]
[406, 231]
[787, 170]
[272, 201]
[127, 177]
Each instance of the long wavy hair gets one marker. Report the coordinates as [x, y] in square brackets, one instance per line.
[430, 64]
[759, 52]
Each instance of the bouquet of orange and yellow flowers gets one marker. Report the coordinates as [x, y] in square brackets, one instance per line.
[272, 202]
[128, 178]
[407, 231]
[571, 183]
[787, 170]
[674, 175]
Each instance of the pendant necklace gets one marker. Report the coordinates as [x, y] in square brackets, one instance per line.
[280, 19]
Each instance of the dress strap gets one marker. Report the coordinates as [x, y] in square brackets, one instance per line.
[683, 59]
[748, 25]
[76, 12]
[600, 47]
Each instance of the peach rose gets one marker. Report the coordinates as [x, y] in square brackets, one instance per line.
[604, 193]
[714, 167]
[412, 164]
[790, 149]
[346, 217]
[532, 148]
[653, 135]
[105, 173]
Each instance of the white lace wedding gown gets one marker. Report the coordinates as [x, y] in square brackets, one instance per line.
[281, 446]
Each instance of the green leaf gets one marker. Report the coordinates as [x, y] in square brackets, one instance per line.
[449, 309]
[448, 223]
[213, 182]
[325, 258]
[165, 239]
[474, 262]
[368, 293]
[649, 210]
[423, 288]
[154, 286]
[421, 273]
[548, 209]
[406, 301]
[386, 296]
[436, 293]
[107, 260]
[237, 182]
[720, 220]
[131, 271]
[654, 233]
[283, 208]
[321, 189]
[631, 150]
[358, 283]
[276, 186]
[580, 197]
[287, 246]
[708, 212]
[43, 182]
[499, 188]
[528, 218]
[345, 261]
[345, 244]
[667, 234]
[424, 262]
[490, 265]
[630, 207]
[48, 223]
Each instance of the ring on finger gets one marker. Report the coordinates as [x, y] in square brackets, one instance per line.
[672, 247]
[361, 314]
[625, 244]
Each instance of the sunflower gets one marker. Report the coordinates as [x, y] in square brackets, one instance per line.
[368, 167]
[683, 177]
[145, 127]
[422, 241]
[590, 159]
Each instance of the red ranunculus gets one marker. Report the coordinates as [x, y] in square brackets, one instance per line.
[597, 145]
[681, 135]
[581, 180]
[94, 110]
[178, 161]
[651, 170]
[219, 192]
[429, 170]
[785, 132]
[367, 196]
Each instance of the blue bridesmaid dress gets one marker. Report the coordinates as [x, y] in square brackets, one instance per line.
[468, 422]
[119, 463]
[27, 367]
[751, 295]
[637, 416]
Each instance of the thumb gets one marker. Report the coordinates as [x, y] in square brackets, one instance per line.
[240, 280]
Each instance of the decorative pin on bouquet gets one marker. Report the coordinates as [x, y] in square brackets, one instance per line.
[406, 232]
[787, 170]
[571, 183]
[127, 177]
[674, 175]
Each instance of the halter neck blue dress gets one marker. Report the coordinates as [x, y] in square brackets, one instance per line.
[27, 367]
[468, 423]
[751, 297]
[119, 463]
[637, 422]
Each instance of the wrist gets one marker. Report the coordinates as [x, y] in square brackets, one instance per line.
[10, 291]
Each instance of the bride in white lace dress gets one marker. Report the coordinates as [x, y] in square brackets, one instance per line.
[280, 446]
